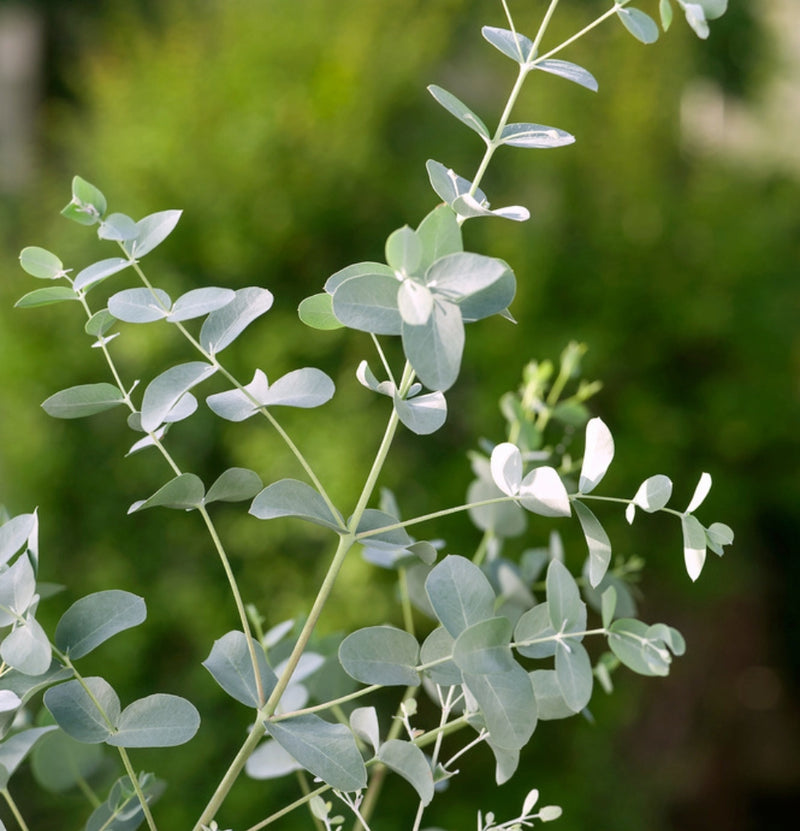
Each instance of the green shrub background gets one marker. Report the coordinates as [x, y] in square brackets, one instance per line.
[294, 136]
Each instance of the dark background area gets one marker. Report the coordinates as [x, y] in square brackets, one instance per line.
[294, 136]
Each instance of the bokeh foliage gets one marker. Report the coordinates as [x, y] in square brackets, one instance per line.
[294, 135]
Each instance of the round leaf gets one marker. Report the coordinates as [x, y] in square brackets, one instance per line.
[159, 720]
[381, 655]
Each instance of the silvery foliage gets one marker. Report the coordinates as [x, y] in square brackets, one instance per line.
[503, 636]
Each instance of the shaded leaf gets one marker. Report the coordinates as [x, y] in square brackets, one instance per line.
[368, 303]
[76, 712]
[357, 270]
[95, 618]
[459, 593]
[234, 485]
[14, 534]
[27, 647]
[159, 720]
[694, 545]
[563, 597]
[507, 704]
[504, 519]
[717, 535]
[83, 400]
[381, 655]
[45, 297]
[440, 235]
[535, 625]
[290, 497]
[15, 748]
[231, 666]
[435, 348]
[570, 71]
[87, 206]
[328, 751]
[224, 325]
[404, 250]
[438, 646]
[270, 761]
[643, 648]
[483, 648]
[118, 227]
[511, 44]
[307, 387]
[409, 761]
[59, 762]
[574, 674]
[100, 323]
[550, 703]
[639, 24]
[184, 492]
[597, 541]
[97, 272]
[460, 110]
[364, 723]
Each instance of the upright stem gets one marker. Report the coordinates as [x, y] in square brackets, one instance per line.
[14, 809]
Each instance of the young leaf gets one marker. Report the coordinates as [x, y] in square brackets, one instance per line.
[459, 593]
[122, 810]
[381, 655]
[597, 541]
[609, 605]
[76, 712]
[694, 545]
[597, 456]
[415, 302]
[570, 71]
[422, 415]
[39, 262]
[231, 666]
[87, 206]
[696, 18]
[665, 12]
[404, 251]
[506, 466]
[506, 762]
[364, 723]
[97, 272]
[95, 618]
[270, 761]
[717, 535]
[435, 348]
[164, 391]
[14, 534]
[100, 323]
[507, 704]
[440, 235]
[118, 227]
[511, 44]
[409, 761]
[460, 110]
[473, 281]
[224, 325]
[83, 400]
[27, 648]
[158, 720]
[151, 231]
[140, 305]
[654, 493]
[290, 497]
[234, 485]
[45, 297]
[639, 24]
[357, 270]
[199, 302]
[535, 136]
[184, 492]
[574, 674]
[483, 648]
[542, 492]
[317, 312]
[643, 648]
[700, 493]
[504, 519]
[327, 750]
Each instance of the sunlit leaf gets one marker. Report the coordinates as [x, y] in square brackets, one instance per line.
[563, 597]
[654, 493]
[511, 44]
[364, 723]
[45, 297]
[440, 235]
[597, 455]
[535, 136]
[290, 497]
[506, 467]
[164, 391]
[459, 109]
[27, 648]
[184, 492]
[435, 348]
[199, 302]
[317, 312]
[97, 272]
[574, 674]
[41, 263]
[151, 231]
[542, 492]
[404, 250]
[270, 761]
[639, 24]
[570, 71]
[224, 325]
[694, 545]
[459, 593]
[118, 227]
[368, 303]
[700, 493]
[597, 541]
[424, 414]
[140, 305]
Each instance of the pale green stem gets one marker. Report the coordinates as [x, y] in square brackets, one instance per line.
[14, 809]
[298, 803]
[137, 788]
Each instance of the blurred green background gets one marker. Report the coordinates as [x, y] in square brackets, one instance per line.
[294, 136]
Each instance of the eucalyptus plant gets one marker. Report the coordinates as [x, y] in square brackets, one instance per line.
[494, 642]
